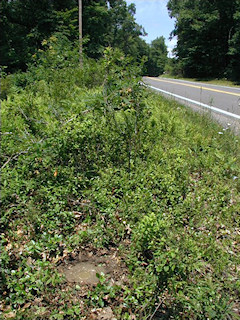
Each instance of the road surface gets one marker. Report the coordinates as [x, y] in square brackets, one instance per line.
[222, 102]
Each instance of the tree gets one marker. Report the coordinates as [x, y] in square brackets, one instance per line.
[204, 30]
[234, 46]
[111, 23]
[157, 57]
[24, 25]
[80, 33]
[125, 32]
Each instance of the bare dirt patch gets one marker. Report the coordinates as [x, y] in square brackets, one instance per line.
[84, 272]
[89, 262]
[81, 279]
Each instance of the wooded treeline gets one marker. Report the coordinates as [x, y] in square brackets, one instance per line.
[208, 34]
[25, 24]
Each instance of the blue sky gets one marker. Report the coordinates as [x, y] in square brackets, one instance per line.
[153, 16]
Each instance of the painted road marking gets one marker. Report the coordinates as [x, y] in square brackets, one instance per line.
[194, 86]
[233, 115]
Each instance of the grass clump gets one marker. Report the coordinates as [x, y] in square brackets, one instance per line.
[90, 158]
[219, 82]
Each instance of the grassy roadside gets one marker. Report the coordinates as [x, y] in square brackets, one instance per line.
[116, 171]
[220, 82]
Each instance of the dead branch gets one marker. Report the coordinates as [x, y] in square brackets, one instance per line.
[14, 157]
[157, 307]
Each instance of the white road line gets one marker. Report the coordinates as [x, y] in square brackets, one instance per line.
[187, 84]
[229, 114]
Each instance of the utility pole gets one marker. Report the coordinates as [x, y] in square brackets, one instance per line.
[80, 33]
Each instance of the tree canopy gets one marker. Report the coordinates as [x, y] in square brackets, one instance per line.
[208, 36]
[157, 57]
[25, 25]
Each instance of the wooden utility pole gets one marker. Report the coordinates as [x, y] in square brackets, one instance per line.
[80, 33]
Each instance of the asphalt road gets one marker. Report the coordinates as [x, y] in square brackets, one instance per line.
[222, 102]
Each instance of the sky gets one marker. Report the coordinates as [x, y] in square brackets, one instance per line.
[153, 16]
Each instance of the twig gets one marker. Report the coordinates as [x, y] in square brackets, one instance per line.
[143, 307]
[28, 134]
[22, 112]
[14, 157]
[69, 120]
[157, 307]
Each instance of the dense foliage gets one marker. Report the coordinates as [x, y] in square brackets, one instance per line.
[92, 159]
[157, 57]
[208, 37]
[24, 25]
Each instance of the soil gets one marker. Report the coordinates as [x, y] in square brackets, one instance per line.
[84, 267]
[81, 275]
[84, 272]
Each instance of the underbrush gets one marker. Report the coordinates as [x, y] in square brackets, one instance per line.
[90, 158]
